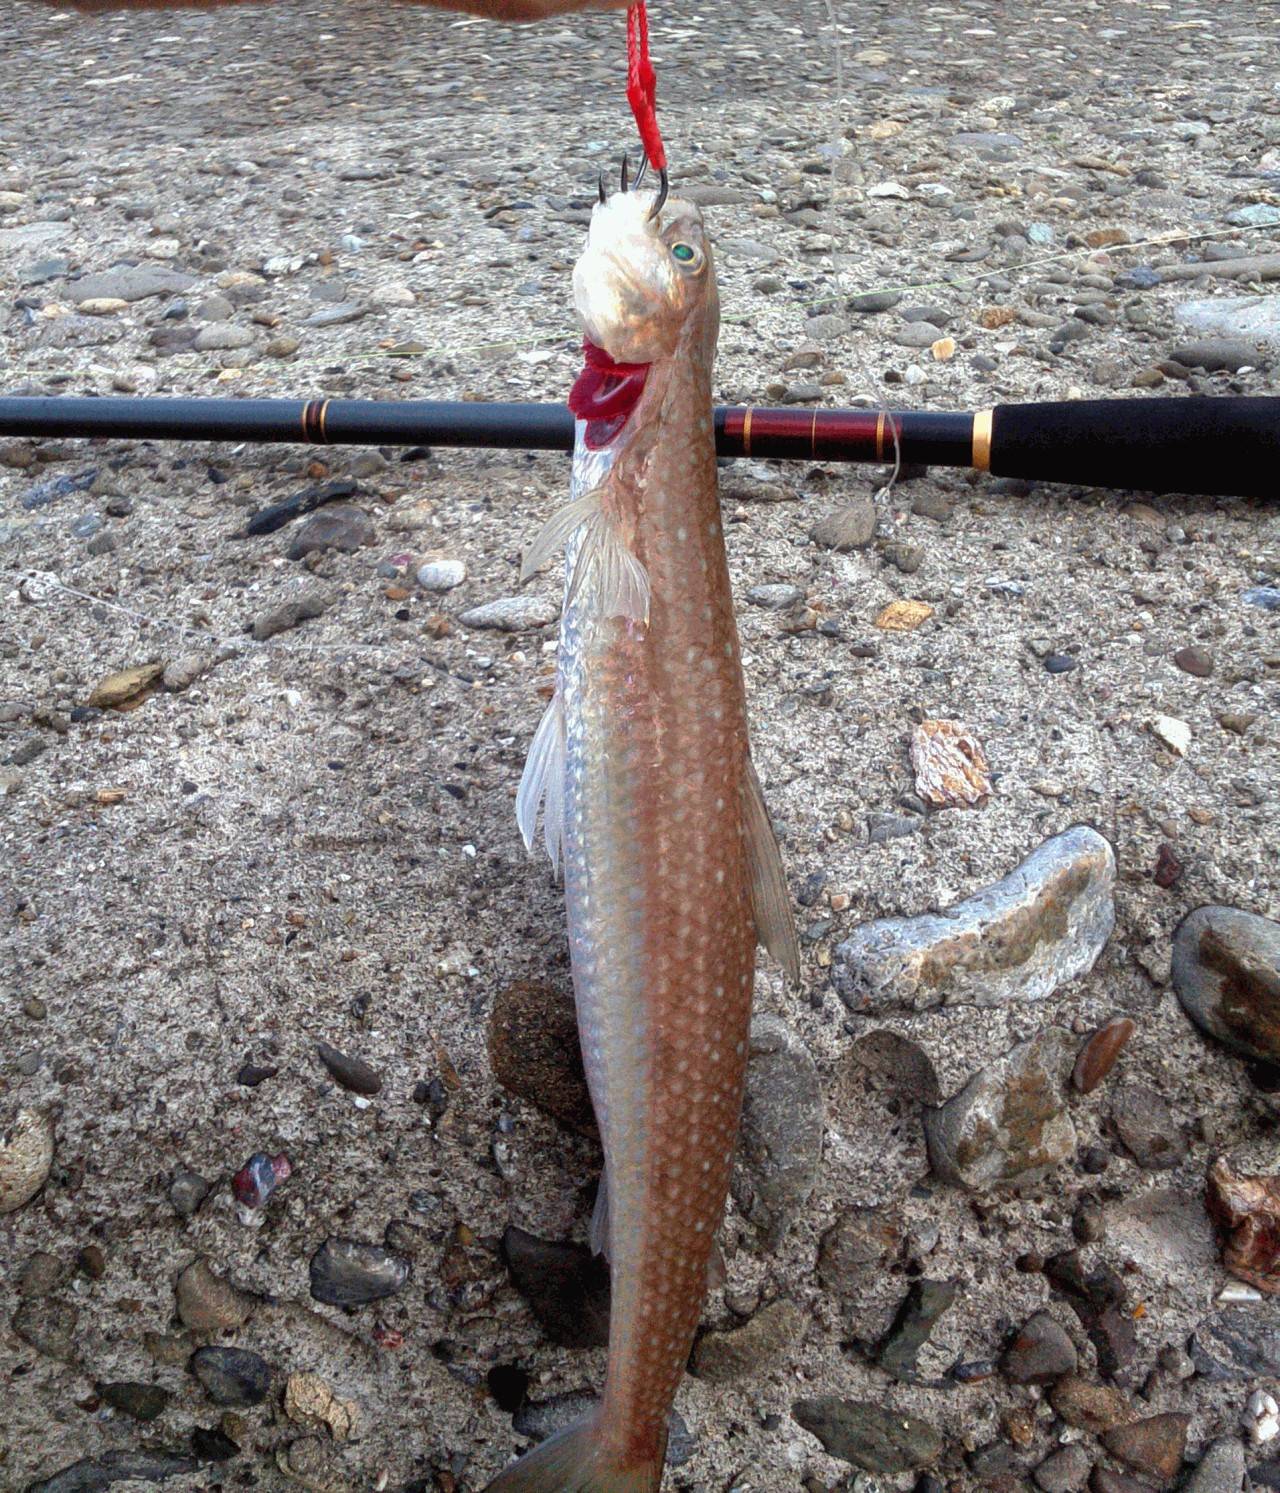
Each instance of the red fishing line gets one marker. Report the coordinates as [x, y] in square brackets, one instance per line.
[642, 86]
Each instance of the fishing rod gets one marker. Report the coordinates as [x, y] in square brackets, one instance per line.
[1223, 445]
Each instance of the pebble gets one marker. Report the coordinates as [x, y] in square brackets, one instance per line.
[721, 1357]
[1009, 1126]
[1215, 354]
[141, 1401]
[1246, 1210]
[95, 1474]
[340, 315]
[858, 1248]
[775, 597]
[183, 672]
[1266, 597]
[1260, 1419]
[352, 1073]
[207, 1303]
[232, 1376]
[222, 336]
[1090, 1407]
[949, 764]
[904, 615]
[289, 614]
[441, 575]
[566, 1287]
[39, 1276]
[259, 1177]
[539, 1419]
[1060, 663]
[1154, 1445]
[1065, 1471]
[513, 613]
[868, 1436]
[187, 1191]
[345, 1272]
[1195, 661]
[850, 527]
[1226, 972]
[874, 302]
[48, 1326]
[341, 528]
[1017, 940]
[922, 1308]
[1175, 734]
[1040, 1353]
[1100, 1054]
[309, 1401]
[1146, 1128]
[118, 690]
[535, 1054]
[1239, 1342]
[1221, 1468]
[26, 1155]
[782, 1124]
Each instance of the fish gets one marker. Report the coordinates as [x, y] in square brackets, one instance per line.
[642, 775]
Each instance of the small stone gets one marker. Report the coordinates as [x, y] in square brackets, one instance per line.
[91, 1262]
[207, 1303]
[1226, 971]
[119, 690]
[1215, 354]
[187, 1191]
[290, 613]
[949, 764]
[1154, 1445]
[1040, 1353]
[259, 1177]
[345, 1272]
[867, 1436]
[1168, 867]
[1009, 1126]
[722, 1357]
[776, 597]
[141, 1401]
[1019, 939]
[1146, 1128]
[222, 336]
[39, 1276]
[309, 1401]
[513, 614]
[565, 1285]
[1090, 1407]
[211, 1444]
[903, 616]
[782, 1125]
[1246, 1210]
[441, 575]
[232, 1376]
[1220, 1470]
[1089, 1224]
[341, 527]
[95, 1475]
[920, 1311]
[1260, 1419]
[1066, 1471]
[1100, 1054]
[1060, 663]
[1175, 734]
[534, 1051]
[183, 672]
[874, 302]
[26, 1155]
[48, 1326]
[851, 527]
[1195, 661]
[103, 306]
[1239, 1342]
[857, 1248]
[352, 1073]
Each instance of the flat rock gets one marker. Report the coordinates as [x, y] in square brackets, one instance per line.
[849, 527]
[1220, 1470]
[1041, 1352]
[130, 282]
[353, 1074]
[34, 236]
[1226, 971]
[123, 688]
[1017, 940]
[1153, 1446]
[143, 1402]
[289, 614]
[781, 1137]
[566, 1286]
[232, 1376]
[512, 613]
[1167, 1232]
[94, 1474]
[858, 1247]
[535, 1054]
[207, 1303]
[1251, 320]
[1146, 1127]
[868, 1435]
[721, 1357]
[1009, 1126]
[774, 597]
[1066, 1471]
[1239, 1342]
[345, 1272]
[1215, 354]
[1088, 1406]
[341, 527]
[441, 575]
[921, 1309]
[1100, 1054]
[222, 336]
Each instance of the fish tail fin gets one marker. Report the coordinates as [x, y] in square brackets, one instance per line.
[577, 1460]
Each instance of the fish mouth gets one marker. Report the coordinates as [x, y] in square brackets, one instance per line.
[605, 393]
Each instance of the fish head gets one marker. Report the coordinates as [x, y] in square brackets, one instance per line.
[644, 287]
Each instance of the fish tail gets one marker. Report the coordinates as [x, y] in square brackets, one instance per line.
[577, 1460]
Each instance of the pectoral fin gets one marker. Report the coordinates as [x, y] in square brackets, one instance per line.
[604, 569]
[770, 899]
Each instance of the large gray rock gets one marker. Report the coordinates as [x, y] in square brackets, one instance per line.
[868, 1436]
[1226, 971]
[782, 1118]
[1221, 1469]
[1239, 1342]
[1253, 318]
[1017, 940]
[130, 282]
[1009, 1126]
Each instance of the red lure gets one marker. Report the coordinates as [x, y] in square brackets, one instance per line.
[605, 393]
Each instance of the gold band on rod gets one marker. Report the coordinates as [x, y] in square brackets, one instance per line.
[746, 431]
[982, 440]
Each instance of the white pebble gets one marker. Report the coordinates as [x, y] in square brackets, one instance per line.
[1175, 734]
[441, 575]
[1261, 1417]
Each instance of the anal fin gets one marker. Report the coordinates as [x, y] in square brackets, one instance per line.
[770, 900]
[542, 783]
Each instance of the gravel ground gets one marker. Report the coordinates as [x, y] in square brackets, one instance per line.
[310, 835]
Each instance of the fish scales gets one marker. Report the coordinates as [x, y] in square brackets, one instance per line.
[648, 801]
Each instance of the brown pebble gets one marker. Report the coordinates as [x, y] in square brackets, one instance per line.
[1030, 1263]
[92, 1262]
[1154, 1445]
[1106, 1481]
[1236, 723]
[1197, 661]
[1098, 1055]
[1090, 1407]
[1019, 1425]
[1168, 866]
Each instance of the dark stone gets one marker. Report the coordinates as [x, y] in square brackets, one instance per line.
[924, 1304]
[352, 1073]
[508, 1384]
[232, 1376]
[1090, 1407]
[539, 1419]
[1066, 1471]
[867, 1435]
[93, 1475]
[142, 1401]
[211, 1444]
[534, 1052]
[187, 1191]
[859, 1245]
[347, 1273]
[1226, 971]
[1146, 1128]
[1060, 663]
[250, 1075]
[565, 1285]
[342, 528]
[1098, 1056]
[1194, 661]
[1040, 1353]
[48, 1326]
[1239, 1342]
[268, 520]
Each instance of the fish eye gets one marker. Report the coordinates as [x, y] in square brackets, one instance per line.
[687, 256]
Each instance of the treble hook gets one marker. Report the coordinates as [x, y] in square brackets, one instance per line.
[662, 194]
[603, 188]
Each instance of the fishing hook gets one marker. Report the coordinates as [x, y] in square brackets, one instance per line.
[626, 169]
[604, 189]
[662, 193]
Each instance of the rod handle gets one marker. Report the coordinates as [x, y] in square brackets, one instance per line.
[1192, 445]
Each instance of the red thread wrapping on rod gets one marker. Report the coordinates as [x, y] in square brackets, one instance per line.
[642, 86]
